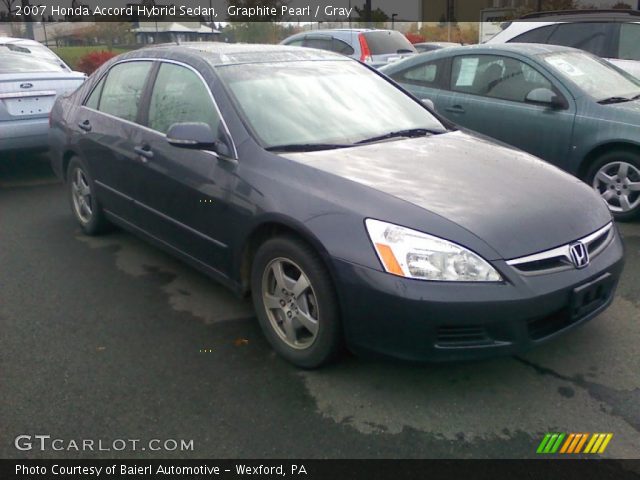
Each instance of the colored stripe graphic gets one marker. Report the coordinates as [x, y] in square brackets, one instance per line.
[573, 443]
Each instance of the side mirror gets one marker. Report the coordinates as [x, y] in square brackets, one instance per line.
[544, 96]
[196, 135]
[427, 102]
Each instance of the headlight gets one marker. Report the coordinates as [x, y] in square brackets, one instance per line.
[413, 254]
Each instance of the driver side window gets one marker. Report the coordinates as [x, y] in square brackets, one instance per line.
[179, 95]
[494, 76]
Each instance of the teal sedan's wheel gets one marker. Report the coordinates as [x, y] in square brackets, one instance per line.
[295, 302]
[616, 177]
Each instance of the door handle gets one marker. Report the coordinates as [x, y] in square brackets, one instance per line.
[455, 109]
[145, 153]
[86, 126]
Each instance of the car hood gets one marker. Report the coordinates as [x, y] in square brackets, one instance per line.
[516, 203]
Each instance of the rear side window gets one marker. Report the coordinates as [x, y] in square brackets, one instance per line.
[94, 99]
[384, 42]
[590, 36]
[122, 90]
[425, 74]
[342, 47]
[537, 35]
[179, 95]
[629, 46]
[322, 43]
[25, 63]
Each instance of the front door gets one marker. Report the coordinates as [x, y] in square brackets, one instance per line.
[487, 93]
[183, 193]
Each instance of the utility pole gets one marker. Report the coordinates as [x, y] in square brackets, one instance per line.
[28, 19]
[367, 12]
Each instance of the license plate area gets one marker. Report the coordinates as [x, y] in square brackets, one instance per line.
[24, 106]
[590, 296]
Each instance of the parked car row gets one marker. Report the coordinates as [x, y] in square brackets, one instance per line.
[349, 210]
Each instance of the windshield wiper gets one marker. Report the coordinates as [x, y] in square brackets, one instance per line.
[610, 100]
[409, 133]
[306, 147]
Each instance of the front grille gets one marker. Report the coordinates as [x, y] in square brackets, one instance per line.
[558, 259]
[462, 336]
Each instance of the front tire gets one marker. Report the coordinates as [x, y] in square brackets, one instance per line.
[295, 302]
[615, 176]
[84, 204]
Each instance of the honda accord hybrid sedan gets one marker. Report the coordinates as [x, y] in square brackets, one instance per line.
[351, 213]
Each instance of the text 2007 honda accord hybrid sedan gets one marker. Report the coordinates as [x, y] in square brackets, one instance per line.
[349, 211]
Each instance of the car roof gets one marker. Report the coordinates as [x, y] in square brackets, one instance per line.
[25, 41]
[588, 15]
[219, 53]
[523, 48]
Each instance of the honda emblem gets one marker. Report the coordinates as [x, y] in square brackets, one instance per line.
[579, 254]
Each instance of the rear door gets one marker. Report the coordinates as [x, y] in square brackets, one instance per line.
[107, 124]
[487, 94]
[184, 193]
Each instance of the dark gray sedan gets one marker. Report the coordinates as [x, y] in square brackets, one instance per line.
[564, 105]
[350, 212]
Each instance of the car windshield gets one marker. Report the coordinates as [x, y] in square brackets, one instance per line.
[594, 76]
[321, 102]
[17, 62]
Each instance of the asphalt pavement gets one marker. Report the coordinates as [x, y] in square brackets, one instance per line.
[109, 338]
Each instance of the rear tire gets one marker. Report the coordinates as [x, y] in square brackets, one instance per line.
[615, 176]
[84, 204]
[295, 302]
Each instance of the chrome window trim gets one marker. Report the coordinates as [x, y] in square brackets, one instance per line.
[175, 62]
[563, 251]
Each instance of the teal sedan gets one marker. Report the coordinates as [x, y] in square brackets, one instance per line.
[563, 105]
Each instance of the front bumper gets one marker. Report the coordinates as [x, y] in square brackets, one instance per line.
[437, 321]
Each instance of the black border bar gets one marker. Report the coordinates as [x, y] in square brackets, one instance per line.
[565, 469]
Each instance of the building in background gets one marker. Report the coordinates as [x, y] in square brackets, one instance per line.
[174, 32]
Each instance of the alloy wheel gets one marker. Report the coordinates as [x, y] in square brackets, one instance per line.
[81, 195]
[291, 303]
[618, 183]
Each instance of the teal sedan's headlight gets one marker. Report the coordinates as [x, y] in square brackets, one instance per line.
[414, 254]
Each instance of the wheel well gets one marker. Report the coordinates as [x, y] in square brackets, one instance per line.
[66, 158]
[260, 235]
[594, 154]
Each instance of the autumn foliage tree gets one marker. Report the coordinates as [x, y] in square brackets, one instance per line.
[90, 62]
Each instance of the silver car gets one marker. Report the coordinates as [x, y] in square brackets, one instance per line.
[37, 49]
[374, 47]
[29, 85]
